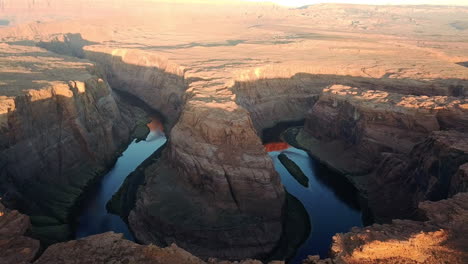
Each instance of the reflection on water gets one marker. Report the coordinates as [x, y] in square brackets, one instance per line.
[331, 202]
[94, 218]
[269, 147]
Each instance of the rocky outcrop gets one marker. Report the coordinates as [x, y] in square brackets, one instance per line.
[65, 44]
[214, 155]
[271, 98]
[148, 76]
[60, 129]
[433, 170]
[215, 191]
[369, 122]
[459, 182]
[220, 86]
[389, 144]
[440, 239]
[111, 248]
[14, 246]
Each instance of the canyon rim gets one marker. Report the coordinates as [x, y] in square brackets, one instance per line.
[374, 98]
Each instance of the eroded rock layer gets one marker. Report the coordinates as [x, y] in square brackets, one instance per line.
[111, 248]
[60, 128]
[221, 74]
[433, 170]
[440, 239]
[14, 246]
[150, 77]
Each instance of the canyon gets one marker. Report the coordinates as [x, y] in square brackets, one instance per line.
[381, 92]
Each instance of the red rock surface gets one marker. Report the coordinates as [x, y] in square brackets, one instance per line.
[111, 248]
[14, 246]
[222, 74]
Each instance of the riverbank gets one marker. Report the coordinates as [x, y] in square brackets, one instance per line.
[325, 155]
[94, 218]
[65, 202]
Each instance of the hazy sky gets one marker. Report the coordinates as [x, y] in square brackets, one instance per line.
[383, 2]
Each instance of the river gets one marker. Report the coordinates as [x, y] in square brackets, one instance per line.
[94, 218]
[330, 201]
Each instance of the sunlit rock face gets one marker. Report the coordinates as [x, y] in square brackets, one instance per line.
[60, 128]
[225, 198]
[387, 136]
[14, 246]
[374, 121]
[111, 248]
[439, 239]
[220, 75]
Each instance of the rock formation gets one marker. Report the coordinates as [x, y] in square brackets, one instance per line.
[439, 239]
[152, 78]
[111, 248]
[431, 171]
[372, 100]
[366, 128]
[60, 129]
[14, 246]
[103, 248]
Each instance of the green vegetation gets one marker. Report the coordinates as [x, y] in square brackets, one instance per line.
[294, 170]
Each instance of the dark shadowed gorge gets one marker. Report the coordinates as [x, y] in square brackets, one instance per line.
[248, 132]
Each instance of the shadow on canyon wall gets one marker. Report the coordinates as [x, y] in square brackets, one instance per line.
[463, 63]
[160, 90]
[49, 159]
[291, 99]
[228, 43]
[31, 171]
[54, 150]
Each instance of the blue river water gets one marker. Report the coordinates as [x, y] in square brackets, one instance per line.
[329, 203]
[329, 212]
[94, 218]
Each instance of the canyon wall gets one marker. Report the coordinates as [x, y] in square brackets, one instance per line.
[15, 247]
[441, 238]
[438, 238]
[368, 129]
[432, 170]
[274, 94]
[56, 137]
[383, 142]
[215, 183]
[148, 76]
[220, 78]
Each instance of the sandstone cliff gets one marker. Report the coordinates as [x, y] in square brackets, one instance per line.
[439, 239]
[221, 75]
[150, 77]
[61, 127]
[14, 246]
[433, 170]
[369, 122]
[111, 248]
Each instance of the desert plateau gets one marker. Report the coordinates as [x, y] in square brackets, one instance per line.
[218, 132]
